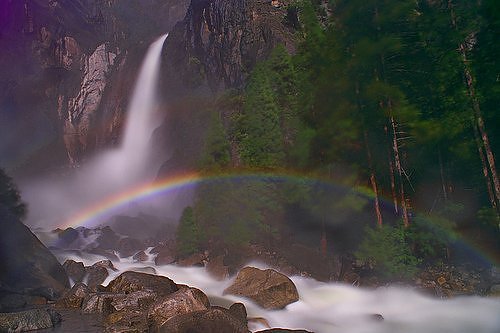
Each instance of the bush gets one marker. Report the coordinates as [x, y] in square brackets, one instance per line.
[188, 234]
[387, 248]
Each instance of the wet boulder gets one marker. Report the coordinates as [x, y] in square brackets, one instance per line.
[129, 246]
[75, 270]
[30, 320]
[99, 303]
[164, 256]
[217, 269]
[197, 259]
[137, 300]
[96, 275]
[183, 301]
[282, 330]
[267, 288]
[239, 311]
[74, 297]
[129, 281]
[140, 256]
[126, 321]
[213, 320]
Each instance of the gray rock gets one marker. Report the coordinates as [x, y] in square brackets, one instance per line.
[183, 301]
[268, 288]
[35, 319]
[214, 320]
[75, 270]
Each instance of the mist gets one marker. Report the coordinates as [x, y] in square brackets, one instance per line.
[53, 200]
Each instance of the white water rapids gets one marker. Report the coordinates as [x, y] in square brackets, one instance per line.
[335, 307]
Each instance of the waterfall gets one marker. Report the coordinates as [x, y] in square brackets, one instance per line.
[140, 122]
[53, 201]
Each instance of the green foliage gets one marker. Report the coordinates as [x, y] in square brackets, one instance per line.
[189, 234]
[388, 249]
[217, 150]
[10, 200]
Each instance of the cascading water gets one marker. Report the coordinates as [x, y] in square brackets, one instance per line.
[52, 201]
[335, 307]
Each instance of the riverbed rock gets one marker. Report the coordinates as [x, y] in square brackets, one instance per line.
[183, 301]
[74, 297]
[268, 288]
[129, 281]
[129, 246]
[137, 300]
[239, 311]
[282, 330]
[96, 275]
[213, 320]
[140, 256]
[99, 303]
[29, 320]
[126, 321]
[197, 259]
[165, 256]
[216, 268]
[75, 270]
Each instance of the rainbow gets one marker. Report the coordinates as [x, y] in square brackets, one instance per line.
[167, 185]
[173, 183]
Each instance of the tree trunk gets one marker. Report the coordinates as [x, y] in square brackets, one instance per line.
[391, 174]
[478, 121]
[443, 183]
[397, 160]
[484, 166]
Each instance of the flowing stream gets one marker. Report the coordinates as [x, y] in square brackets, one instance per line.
[334, 307]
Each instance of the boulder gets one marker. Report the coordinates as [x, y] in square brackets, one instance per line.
[126, 321]
[197, 259]
[106, 264]
[216, 268]
[129, 281]
[213, 320]
[140, 256]
[137, 300]
[74, 297]
[26, 265]
[75, 270]
[165, 255]
[239, 311]
[129, 246]
[182, 301]
[96, 275]
[267, 288]
[282, 330]
[99, 303]
[35, 319]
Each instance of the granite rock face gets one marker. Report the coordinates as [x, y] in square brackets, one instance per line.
[27, 267]
[219, 41]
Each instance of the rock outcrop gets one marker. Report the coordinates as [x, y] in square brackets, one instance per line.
[81, 109]
[219, 41]
[27, 267]
[268, 288]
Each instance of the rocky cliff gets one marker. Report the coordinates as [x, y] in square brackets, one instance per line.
[219, 41]
[60, 62]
